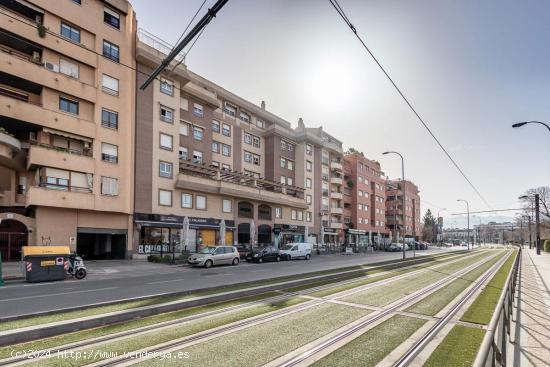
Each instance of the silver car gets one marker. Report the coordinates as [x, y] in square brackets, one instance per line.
[218, 255]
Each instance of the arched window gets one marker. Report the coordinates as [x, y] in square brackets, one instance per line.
[246, 210]
[264, 212]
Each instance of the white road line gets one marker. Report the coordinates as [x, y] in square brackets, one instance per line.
[56, 294]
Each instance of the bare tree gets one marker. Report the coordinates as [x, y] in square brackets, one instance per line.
[544, 197]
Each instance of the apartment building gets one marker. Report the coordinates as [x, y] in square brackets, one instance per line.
[67, 105]
[403, 220]
[364, 201]
[208, 155]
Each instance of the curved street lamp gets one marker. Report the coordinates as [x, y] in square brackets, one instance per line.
[520, 124]
[468, 210]
[436, 226]
[404, 193]
[536, 197]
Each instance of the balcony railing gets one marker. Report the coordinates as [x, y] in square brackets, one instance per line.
[64, 187]
[109, 158]
[87, 152]
[201, 170]
[158, 44]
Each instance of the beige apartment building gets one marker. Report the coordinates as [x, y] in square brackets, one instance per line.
[403, 220]
[206, 154]
[364, 201]
[67, 106]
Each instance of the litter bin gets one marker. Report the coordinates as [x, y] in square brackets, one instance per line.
[44, 263]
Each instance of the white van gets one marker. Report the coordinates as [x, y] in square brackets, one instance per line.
[296, 250]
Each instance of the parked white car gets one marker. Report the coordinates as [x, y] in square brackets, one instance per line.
[296, 250]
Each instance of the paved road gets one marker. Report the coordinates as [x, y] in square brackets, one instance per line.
[123, 280]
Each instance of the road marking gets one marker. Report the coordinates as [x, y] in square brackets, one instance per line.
[56, 294]
[167, 281]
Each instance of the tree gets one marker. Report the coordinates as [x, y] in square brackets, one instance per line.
[429, 225]
[544, 197]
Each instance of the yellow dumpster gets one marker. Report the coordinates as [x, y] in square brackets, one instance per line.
[44, 263]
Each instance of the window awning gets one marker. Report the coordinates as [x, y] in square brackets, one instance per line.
[66, 134]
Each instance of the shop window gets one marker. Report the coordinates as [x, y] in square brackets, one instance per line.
[245, 210]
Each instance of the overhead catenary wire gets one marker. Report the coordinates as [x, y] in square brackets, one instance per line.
[185, 31]
[343, 15]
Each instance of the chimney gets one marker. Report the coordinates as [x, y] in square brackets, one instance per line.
[263, 105]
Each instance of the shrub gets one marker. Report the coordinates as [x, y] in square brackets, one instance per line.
[546, 246]
[184, 255]
[167, 259]
[153, 258]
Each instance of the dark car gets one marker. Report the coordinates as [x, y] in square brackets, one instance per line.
[243, 251]
[262, 254]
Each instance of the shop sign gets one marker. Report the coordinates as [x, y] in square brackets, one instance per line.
[45, 263]
[277, 228]
[330, 230]
[176, 219]
[153, 249]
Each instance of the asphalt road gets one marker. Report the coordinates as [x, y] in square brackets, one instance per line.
[124, 280]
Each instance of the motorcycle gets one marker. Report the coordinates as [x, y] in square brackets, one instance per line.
[76, 266]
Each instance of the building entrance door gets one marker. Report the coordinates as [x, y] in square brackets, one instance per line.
[13, 236]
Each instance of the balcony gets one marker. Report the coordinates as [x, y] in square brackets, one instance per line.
[336, 225]
[60, 196]
[336, 195]
[336, 166]
[198, 177]
[202, 94]
[35, 114]
[335, 210]
[50, 156]
[36, 73]
[9, 147]
[336, 180]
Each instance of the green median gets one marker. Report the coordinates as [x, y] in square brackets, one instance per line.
[458, 349]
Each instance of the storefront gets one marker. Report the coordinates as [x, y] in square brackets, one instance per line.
[288, 233]
[161, 233]
[330, 237]
[357, 238]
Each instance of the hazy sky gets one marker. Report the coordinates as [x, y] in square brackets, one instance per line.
[471, 68]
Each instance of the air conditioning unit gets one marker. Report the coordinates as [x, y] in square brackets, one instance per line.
[52, 67]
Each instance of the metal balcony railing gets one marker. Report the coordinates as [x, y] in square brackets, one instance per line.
[64, 187]
[157, 43]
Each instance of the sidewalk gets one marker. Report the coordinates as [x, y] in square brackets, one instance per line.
[531, 318]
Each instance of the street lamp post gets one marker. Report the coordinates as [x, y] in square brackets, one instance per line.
[468, 211]
[436, 227]
[530, 232]
[404, 193]
[520, 124]
[537, 219]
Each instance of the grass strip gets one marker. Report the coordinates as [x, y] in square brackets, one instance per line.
[382, 296]
[263, 343]
[153, 338]
[436, 301]
[55, 341]
[374, 345]
[458, 348]
[481, 310]
[127, 305]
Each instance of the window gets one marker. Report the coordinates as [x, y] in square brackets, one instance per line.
[109, 186]
[184, 128]
[186, 201]
[226, 167]
[278, 212]
[215, 147]
[200, 202]
[198, 110]
[109, 119]
[248, 138]
[109, 84]
[290, 165]
[111, 18]
[260, 124]
[283, 163]
[251, 173]
[309, 149]
[166, 141]
[215, 126]
[77, 2]
[300, 215]
[256, 159]
[283, 180]
[246, 210]
[244, 116]
[264, 212]
[109, 153]
[197, 156]
[226, 150]
[165, 169]
[215, 164]
[166, 114]
[360, 193]
[308, 183]
[360, 206]
[229, 109]
[309, 166]
[68, 68]
[166, 87]
[227, 206]
[112, 52]
[68, 105]
[289, 181]
[255, 141]
[247, 157]
[182, 152]
[165, 197]
[70, 32]
[198, 133]
[360, 220]
[226, 130]
[293, 214]
[308, 199]
[308, 216]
